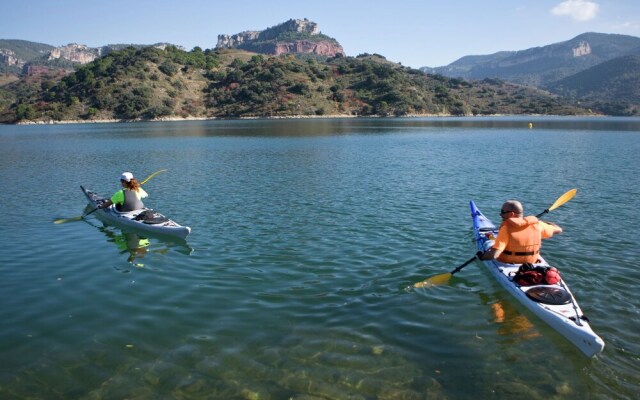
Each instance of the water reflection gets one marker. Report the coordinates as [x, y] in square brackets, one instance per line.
[320, 127]
[131, 243]
[136, 246]
[512, 325]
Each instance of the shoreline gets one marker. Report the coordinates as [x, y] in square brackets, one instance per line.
[333, 116]
[181, 119]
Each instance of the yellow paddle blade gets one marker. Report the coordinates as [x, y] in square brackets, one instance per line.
[151, 176]
[80, 218]
[434, 280]
[563, 199]
[63, 220]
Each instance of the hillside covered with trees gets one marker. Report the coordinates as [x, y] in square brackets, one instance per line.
[153, 83]
[613, 86]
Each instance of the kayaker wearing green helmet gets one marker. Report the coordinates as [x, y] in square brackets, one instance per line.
[130, 197]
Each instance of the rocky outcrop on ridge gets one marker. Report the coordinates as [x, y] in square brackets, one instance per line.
[37, 57]
[8, 57]
[322, 48]
[75, 52]
[294, 36]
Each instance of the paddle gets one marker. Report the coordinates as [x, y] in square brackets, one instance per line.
[65, 220]
[444, 278]
[156, 173]
[561, 200]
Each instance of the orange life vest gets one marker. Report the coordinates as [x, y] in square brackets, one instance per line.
[525, 240]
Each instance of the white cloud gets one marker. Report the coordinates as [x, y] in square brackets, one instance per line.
[580, 10]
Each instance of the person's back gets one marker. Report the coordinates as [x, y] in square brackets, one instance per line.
[523, 239]
[129, 198]
[131, 201]
[519, 238]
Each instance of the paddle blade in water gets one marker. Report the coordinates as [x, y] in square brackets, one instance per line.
[434, 280]
[64, 220]
[80, 218]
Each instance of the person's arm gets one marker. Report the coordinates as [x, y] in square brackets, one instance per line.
[549, 229]
[117, 198]
[498, 246]
[490, 254]
[105, 203]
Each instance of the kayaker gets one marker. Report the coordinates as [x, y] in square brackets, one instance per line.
[130, 197]
[519, 238]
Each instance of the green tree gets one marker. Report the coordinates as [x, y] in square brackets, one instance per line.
[168, 68]
[25, 112]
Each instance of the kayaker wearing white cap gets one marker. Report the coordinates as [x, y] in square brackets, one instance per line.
[130, 197]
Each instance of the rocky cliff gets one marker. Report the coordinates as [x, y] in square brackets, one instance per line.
[75, 52]
[293, 36]
[30, 58]
[82, 54]
[582, 49]
[322, 48]
[8, 57]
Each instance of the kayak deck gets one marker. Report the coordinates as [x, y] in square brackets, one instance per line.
[566, 318]
[132, 219]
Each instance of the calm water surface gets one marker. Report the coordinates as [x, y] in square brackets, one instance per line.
[305, 237]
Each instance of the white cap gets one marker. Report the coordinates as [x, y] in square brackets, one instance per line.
[126, 176]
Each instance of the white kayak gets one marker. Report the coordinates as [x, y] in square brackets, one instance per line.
[554, 304]
[144, 220]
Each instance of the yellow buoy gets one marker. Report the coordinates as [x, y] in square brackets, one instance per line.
[530, 125]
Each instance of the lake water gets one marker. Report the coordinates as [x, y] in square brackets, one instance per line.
[306, 234]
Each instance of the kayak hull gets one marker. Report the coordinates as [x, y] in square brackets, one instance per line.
[567, 319]
[127, 220]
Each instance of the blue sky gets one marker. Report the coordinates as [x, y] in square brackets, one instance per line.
[414, 33]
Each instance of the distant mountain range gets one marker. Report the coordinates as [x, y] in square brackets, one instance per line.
[593, 67]
[542, 66]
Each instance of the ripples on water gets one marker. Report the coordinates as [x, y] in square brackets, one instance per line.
[305, 237]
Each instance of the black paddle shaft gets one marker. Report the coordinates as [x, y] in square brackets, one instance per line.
[91, 212]
[463, 265]
[542, 213]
